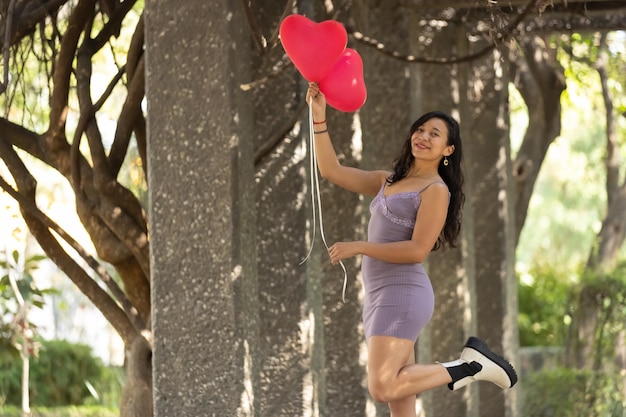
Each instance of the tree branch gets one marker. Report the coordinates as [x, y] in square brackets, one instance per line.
[260, 41]
[500, 37]
[6, 50]
[30, 14]
[279, 135]
[26, 186]
[129, 117]
[63, 69]
[28, 206]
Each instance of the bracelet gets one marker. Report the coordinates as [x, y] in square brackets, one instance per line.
[321, 131]
[319, 123]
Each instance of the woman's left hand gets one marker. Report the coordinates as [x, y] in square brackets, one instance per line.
[343, 250]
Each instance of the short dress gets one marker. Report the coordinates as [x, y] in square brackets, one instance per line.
[399, 298]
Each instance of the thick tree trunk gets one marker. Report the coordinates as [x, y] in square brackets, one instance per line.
[485, 129]
[291, 319]
[437, 88]
[343, 336]
[387, 115]
[344, 219]
[203, 356]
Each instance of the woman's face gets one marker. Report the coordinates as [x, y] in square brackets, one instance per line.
[430, 140]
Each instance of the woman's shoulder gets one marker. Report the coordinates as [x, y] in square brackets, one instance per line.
[437, 185]
[436, 191]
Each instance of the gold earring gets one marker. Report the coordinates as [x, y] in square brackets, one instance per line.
[445, 161]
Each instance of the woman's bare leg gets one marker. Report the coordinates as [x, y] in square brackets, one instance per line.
[391, 379]
[404, 407]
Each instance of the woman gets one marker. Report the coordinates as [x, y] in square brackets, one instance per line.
[416, 209]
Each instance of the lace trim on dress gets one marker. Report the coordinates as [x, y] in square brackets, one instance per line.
[381, 200]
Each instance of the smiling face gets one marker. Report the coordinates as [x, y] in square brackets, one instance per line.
[429, 142]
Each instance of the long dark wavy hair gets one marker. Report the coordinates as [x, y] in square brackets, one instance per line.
[452, 175]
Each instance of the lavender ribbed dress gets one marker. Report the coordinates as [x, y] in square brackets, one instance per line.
[399, 299]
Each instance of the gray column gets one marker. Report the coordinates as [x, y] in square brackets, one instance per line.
[489, 169]
[202, 235]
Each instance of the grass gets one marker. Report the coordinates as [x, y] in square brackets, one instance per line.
[70, 411]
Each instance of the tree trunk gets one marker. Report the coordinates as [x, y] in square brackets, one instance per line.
[603, 256]
[539, 78]
[581, 349]
[387, 115]
[437, 88]
[202, 345]
[291, 319]
[485, 130]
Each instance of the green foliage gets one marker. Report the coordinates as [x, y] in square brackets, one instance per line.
[606, 291]
[543, 304]
[565, 392]
[91, 411]
[569, 198]
[61, 372]
[107, 390]
[64, 374]
[19, 294]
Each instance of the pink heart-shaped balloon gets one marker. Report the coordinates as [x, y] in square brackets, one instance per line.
[344, 86]
[312, 47]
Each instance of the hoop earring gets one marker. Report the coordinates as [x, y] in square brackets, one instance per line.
[445, 161]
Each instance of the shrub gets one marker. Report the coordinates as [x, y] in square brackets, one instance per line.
[543, 306]
[64, 374]
[61, 372]
[566, 392]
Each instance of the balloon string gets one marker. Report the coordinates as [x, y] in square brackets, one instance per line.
[313, 171]
[316, 203]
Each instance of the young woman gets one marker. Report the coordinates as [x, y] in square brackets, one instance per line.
[416, 209]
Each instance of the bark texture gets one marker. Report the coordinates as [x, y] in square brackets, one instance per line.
[202, 359]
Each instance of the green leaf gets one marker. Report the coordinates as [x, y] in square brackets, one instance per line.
[51, 291]
[36, 258]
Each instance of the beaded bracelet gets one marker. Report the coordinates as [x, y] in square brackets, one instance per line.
[321, 131]
[319, 123]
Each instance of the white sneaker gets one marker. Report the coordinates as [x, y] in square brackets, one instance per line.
[495, 368]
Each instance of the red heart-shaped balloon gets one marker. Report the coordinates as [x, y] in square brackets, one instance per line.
[344, 86]
[312, 47]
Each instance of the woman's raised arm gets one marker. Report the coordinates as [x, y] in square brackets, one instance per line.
[353, 179]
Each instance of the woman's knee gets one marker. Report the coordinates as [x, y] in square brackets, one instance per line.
[379, 389]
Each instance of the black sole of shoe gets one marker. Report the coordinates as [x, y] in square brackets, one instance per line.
[480, 346]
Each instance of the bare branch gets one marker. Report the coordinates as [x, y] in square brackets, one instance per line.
[288, 8]
[26, 186]
[135, 49]
[500, 37]
[31, 13]
[128, 118]
[6, 50]
[113, 26]
[278, 69]
[117, 292]
[279, 135]
[257, 35]
[63, 68]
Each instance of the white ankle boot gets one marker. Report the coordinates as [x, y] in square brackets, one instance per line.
[493, 368]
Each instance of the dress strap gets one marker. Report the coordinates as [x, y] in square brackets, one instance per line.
[428, 185]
